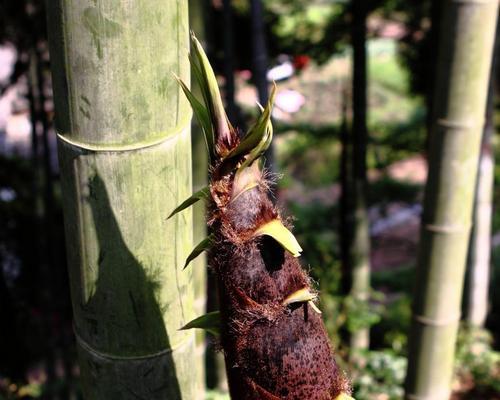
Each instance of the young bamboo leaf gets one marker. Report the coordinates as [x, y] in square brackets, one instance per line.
[202, 116]
[282, 235]
[200, 194]
[209, 322]
[259, 136]
[213, 98]
[205, 244]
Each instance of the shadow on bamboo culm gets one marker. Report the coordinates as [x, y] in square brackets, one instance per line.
[122, 318]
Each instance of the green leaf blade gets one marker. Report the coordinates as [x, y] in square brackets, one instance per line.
[202, 116]
[199, 195]
[205, 244]
[259, 136]
[210, 322]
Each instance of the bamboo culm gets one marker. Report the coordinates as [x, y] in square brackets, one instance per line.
[464, 59]
[123, 126]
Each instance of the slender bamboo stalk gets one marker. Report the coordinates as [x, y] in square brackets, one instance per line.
[360, 235]
[466, 44]
[124, 149]
[197, 12]
[478, 260]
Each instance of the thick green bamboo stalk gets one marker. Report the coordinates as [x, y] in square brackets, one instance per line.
[464, 58]
[124, 149]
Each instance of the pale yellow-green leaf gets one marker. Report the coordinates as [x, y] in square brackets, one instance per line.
[282, 235]
[343, 396]
[300, 296]
[246, 179]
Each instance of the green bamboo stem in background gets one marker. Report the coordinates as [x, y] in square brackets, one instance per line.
[197, 14]
[478, 260]
[478, 279]
[466, 44]
[359, 246]
[125, 159]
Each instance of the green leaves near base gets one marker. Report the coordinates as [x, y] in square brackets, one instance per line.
[282, 235]
[200, 194]
[205, 244]
[209, 322]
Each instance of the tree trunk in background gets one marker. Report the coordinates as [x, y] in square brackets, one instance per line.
[197, 12]
[464, 59]
[478, 261]
[260, 64]
[125, 155]
[359, 246]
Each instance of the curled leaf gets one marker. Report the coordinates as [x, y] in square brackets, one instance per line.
[258, 137]
[210, 322]
[205, 244]
[300, 296]
[282, 235]
[246, 179]
[200, 194]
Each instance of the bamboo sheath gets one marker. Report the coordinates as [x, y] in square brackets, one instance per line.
[125, 156]
[463, 64]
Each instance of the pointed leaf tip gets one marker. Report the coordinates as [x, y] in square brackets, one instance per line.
[209, 86]
[282, 235]
[205, 244]
[210, 322]
[200, 194]
[201, 114]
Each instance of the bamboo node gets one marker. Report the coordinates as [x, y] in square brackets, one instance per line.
[450, 228]
[456, 124]
[474, 1]
[165, 137]
[438, 321]
[439, 396]
[113, 357]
